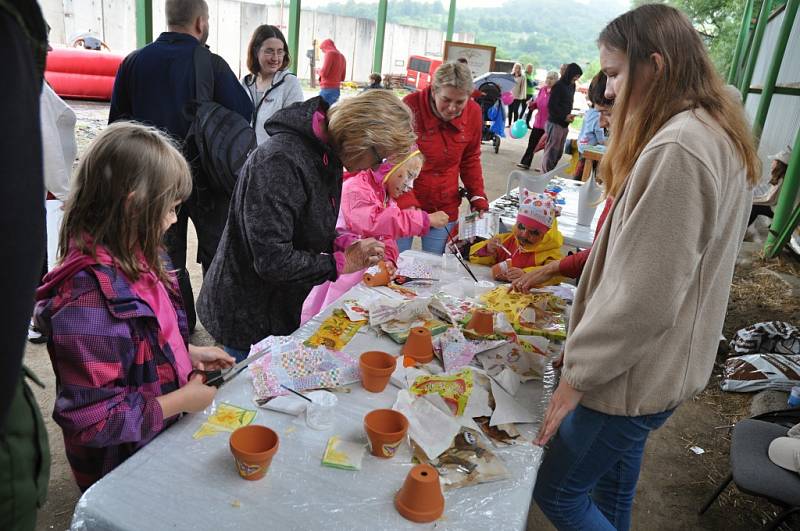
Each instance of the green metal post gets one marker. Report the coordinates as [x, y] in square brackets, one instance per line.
[294, 34]
[763, 18]
[774, 67]
[144, 22]
[380, 32]
[451, 20]
[740, 42]
[780, 230]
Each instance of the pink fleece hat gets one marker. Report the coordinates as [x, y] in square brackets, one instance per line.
[536, 211]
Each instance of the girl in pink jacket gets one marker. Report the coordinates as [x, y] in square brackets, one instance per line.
[369, 210]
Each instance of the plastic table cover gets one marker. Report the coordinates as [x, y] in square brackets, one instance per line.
[575, 235]
[176, 482]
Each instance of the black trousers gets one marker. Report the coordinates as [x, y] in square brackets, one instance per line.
[515, 111]
[759, 210]
[533, 141]
[209, 214]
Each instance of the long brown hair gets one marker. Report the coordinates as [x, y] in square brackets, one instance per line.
[125, 187]
[262, 33]
[687, 80]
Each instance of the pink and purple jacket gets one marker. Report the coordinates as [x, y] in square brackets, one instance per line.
[540, 104]
[367, 211]
[109, 365]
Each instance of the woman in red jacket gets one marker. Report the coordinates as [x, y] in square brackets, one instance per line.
[448, 126]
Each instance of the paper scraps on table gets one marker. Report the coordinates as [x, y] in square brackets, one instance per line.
[429, 427]
[226, 418]
[355, 310]
[545, 319]
[398, 331]
[335, 332]
[509, 381]
[563, 290]
[453, 388]
[451, 309]
[346, 455]
[526, 364]
[385, 310]
[413, 268]
[456, 351]
[503, 435]
[507, 410]
[299, 367]
[467, 462]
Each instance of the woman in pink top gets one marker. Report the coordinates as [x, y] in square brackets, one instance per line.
[540, 104]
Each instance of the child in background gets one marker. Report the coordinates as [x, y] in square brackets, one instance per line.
[534, 241]
[369, 210]
[592, 131]
[118, 336]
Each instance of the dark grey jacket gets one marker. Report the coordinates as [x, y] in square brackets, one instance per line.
[278, 242]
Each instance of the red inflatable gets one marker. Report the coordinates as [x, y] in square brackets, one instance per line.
[82, 74]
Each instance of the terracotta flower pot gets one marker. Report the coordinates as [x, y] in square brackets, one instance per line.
[420, 500]
[500, 269]
[482, 322]
[376, 370]
[386, 429]
[381, 278]
[419, 345]
[253, 447]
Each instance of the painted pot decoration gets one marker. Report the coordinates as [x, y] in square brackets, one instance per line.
[386, 429]
[381, 278]
[253, 448]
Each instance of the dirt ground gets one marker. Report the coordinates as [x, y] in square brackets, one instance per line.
[674, 480]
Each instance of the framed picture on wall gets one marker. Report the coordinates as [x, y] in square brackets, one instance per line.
[480, 58]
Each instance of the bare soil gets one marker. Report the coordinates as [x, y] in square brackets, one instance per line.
[674, 481]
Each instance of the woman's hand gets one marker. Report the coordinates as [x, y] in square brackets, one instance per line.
[363, 254]
[535, 278]
[564, 400]
[514, 273]
[438, 219]
[210, 358]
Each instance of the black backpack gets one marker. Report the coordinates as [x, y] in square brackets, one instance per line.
[219, 139]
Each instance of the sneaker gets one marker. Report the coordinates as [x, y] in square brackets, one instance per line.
[523, 166]
[35, 336]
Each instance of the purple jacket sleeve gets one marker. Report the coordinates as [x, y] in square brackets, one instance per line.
[94, 405]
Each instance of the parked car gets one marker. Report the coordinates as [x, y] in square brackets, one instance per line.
[420, 71]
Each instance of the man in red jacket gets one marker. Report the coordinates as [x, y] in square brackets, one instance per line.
[332, 72]
[448, 125]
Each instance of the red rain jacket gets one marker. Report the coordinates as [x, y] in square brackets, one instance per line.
[333, 66]
[451, 149]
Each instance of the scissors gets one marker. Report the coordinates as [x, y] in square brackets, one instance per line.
[402, 279]
[218, 377]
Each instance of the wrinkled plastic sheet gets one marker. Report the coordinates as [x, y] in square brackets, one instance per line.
[176, 482]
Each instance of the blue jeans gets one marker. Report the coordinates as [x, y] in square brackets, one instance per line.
[329, 95]
[588, 476]
[240, 355]
[433, 242]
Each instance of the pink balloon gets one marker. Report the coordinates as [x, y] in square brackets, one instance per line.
[507, 98]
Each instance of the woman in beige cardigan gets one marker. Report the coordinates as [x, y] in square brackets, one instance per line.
[650, 305]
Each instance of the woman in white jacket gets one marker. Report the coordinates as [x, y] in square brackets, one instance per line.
[269, 84]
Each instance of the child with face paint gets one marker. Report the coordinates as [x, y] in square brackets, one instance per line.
[369, 210]
[533, 242]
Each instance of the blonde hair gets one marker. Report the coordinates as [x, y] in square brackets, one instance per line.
[453, 74]
[687, 80]
[411, 161]
[375, 119]
[125, 187]
[552, 74]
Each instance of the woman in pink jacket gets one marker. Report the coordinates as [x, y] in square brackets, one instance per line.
[369, 210]
[540, 104]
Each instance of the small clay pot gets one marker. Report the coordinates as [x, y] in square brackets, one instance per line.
[500, 269]
[381, 278]
[420, 500]
[376, 370]
[386, 429]
[419, 345]
[482, 322]
[253, 447]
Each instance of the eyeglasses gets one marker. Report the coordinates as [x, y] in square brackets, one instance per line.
[270, 52]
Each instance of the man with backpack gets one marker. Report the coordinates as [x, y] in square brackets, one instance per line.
[160, 85]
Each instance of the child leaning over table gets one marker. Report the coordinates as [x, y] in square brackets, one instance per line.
[118, 338]
[369, 210]
[533, 242]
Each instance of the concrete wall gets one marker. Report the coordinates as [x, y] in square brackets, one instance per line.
[232, 23]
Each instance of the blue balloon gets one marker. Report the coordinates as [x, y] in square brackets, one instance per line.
[519, 129]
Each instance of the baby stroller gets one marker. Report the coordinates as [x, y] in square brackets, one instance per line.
[492, 112]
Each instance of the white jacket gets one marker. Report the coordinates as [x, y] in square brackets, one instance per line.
[285, 90]
[58, 142]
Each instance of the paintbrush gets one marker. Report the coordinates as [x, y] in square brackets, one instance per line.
[458, 256]
[304, 397]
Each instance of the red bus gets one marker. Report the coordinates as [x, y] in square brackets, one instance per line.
[419, 71]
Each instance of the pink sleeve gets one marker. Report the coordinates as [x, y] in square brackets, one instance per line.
[374, 220]
[344, 240]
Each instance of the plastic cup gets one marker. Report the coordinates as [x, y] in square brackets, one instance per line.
[319, 413]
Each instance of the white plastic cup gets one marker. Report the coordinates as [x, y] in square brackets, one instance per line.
[319, 413]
